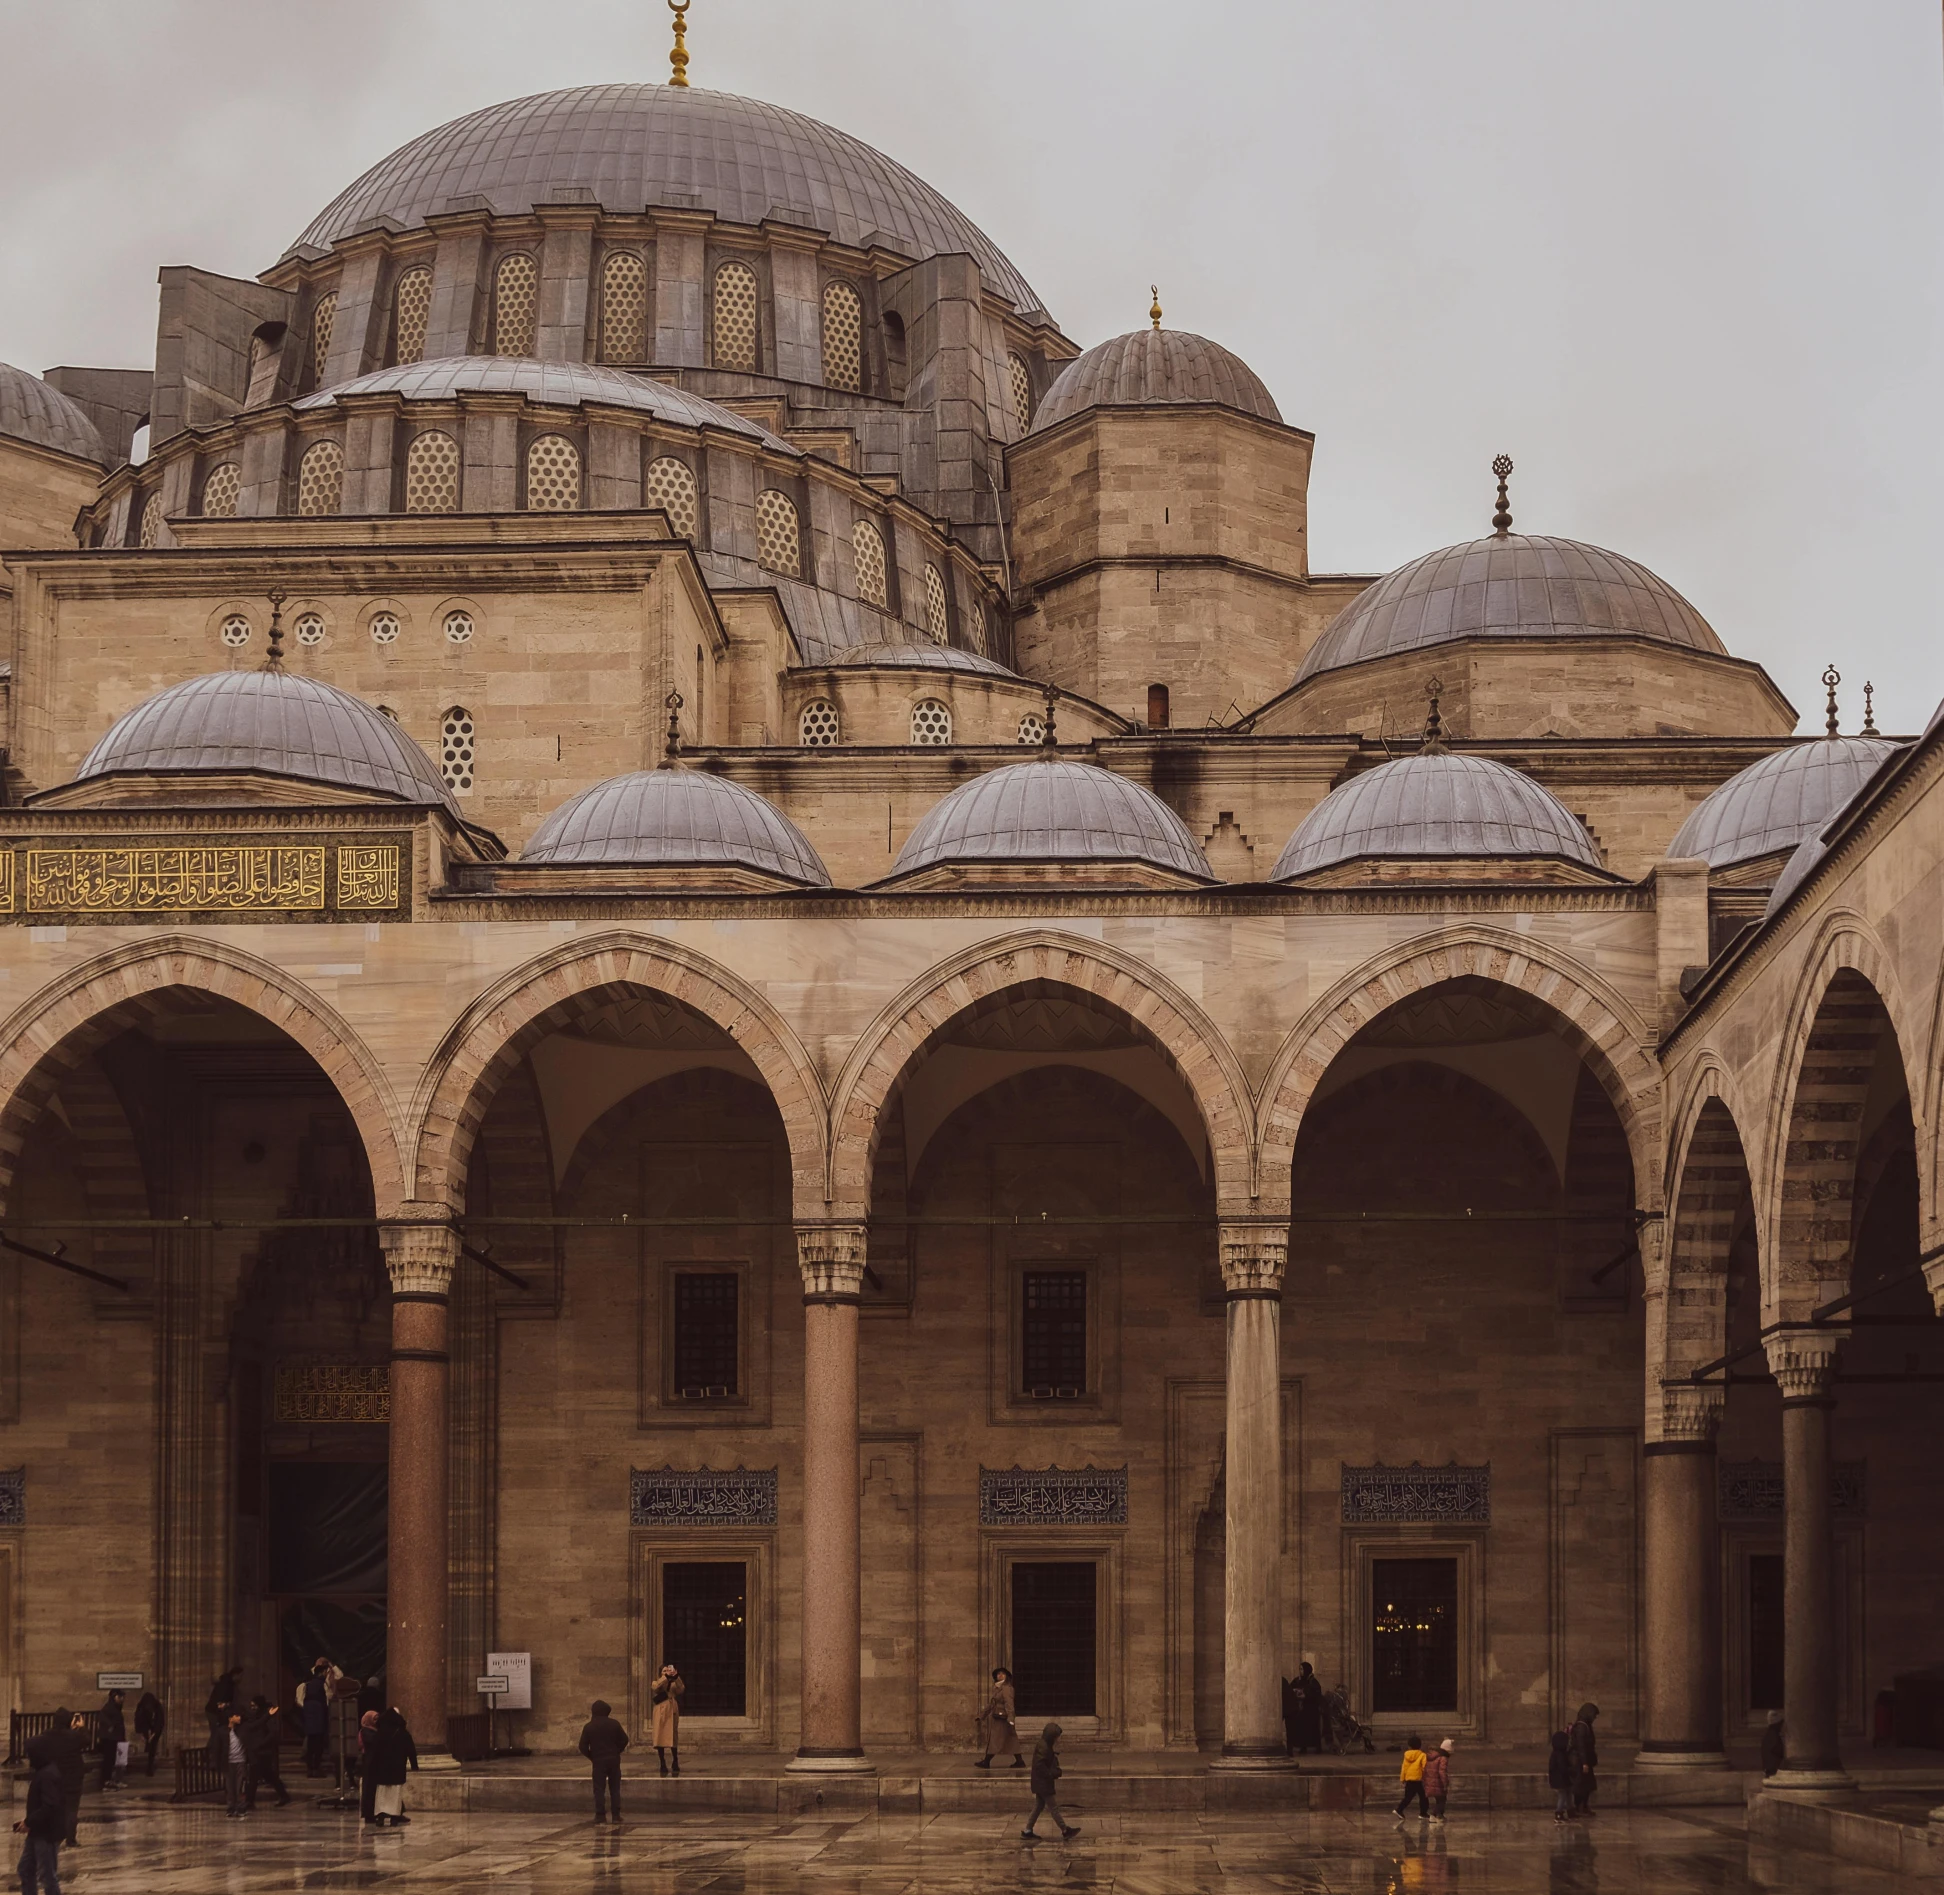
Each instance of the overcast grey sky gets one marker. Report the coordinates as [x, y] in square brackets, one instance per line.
[1679, 258]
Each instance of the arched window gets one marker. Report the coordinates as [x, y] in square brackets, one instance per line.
[320, 479]
[817, 727]
[1021, 384]
[456, 749]
[384, 631]
[867, 554]
[458, 628]
[624, 307]
[553, 475]
[236, 630]
[322, 319]
[516, 292]
[894, 354]
[735, 317]
[310, 628]
[411, 306]
[151, 528]
[931, 722]
[671, 487]
[938, 612]
[1032, 728]
[779, 535]
[221, 485]
[432, 473]
[843, 337]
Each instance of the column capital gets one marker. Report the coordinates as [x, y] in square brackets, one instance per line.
[831, 1257]
[421, 1251]
[1803, 1362]
[1254, 1255]
[1690, 1414]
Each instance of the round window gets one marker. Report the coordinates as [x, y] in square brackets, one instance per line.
[458, 627]
[384, 628]
[310, 629]
[236, 630]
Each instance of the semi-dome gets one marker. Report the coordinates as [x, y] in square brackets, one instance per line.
[676, 818]
[1153, 366]
[1051, 810]
[275, 722]
[32, 410]
[916, 657]
[1436, 805]
[555, 384]
[1779, 802]
[633, 147]
[1518, 585]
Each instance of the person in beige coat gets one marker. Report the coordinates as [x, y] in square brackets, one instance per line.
[997, 1729]
[666, 1697]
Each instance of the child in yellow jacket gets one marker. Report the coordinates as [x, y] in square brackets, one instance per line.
[1411, 1775]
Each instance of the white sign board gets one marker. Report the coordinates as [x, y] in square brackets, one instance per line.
[118, 1681]
[492, 1687]
[517, 1669]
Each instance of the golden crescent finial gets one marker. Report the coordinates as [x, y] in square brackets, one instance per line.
[678, 59]
[1154, 314]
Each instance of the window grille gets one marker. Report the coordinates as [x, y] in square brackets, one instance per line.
[931, 722]
[843, 337]
[938, 612]
[310, 629]
[624, 307]
[384, 629]
[323, 317]
[1032, 728]
[779, 536]
[456, 748]
[704, 1356]
[320, 479]
[516, 287]
[705, 1617]
[432, 474]
[236, 630]
[220, 488]
[1021, 383]
[867, 553]
[411, 307]
[735, 317]
[553, 475]
[818, 726]
[1053, 1334]
[151, 528]
[671, 487]
[458, 627]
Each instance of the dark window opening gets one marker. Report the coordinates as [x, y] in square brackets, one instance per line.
[1053, 1660]
[705, 1635]
[1765, 1632]
[1053, 1335]
[1414, 1634]
[1157, 716]
[705, 1351]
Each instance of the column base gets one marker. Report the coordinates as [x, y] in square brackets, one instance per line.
[1254, 1760]
[832, 1763]
[1813, 1786]
[1680, 1757]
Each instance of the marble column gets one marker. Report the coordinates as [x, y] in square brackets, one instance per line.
[1803, 1362]
[830, 1728]
[1253, 1256]
[420, 1257]
[1683, 1586]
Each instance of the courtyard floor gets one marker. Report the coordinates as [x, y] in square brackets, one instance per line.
[157, 1851]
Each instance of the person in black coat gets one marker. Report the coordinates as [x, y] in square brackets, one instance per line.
[44, 1827]
[1585, 1755]
[1046, 1777]
[1775, 1745]
[1559, 1775]
[217, 1708]
[259, 1734]
[111, 1732]
[150, 1721]
[602, 1740]
[1308, 1694]
[68, 1741]
[392, 1751]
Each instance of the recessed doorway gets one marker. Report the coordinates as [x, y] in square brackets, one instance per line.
[705, 1634]
[1414, 1635]
[1055, 1659]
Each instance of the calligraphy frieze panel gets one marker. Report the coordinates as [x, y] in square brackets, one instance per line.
[1053, 1497]
[1417, 1495]
[1752, 1490]
[13, 1497]
[331, 1392]
[702, 1496]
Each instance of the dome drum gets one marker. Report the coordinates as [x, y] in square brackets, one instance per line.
[870, 697]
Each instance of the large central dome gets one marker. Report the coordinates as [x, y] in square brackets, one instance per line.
[630, 147]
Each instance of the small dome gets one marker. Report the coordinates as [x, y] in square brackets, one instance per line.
[554, 384]
[1776, 803]
[1153, 366]
[1430, 806]
[272, 721]
[919, 658]
[1051, 810]
[31, 410]
[1521, 586]
[676, 818]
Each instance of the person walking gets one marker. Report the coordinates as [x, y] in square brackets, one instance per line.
[314, 1714]
[150, 1722]
[392, 1752]
[44, 1826]
[1046, 1776]
[111, 1735]
[70, 1747]
[1559, 1775]
[1308, 1693]
[602, 1740]
[1410, 1773]
[667, 1699]
[236, 1765]
[1437, 1778]
[259, 1731]
[1585, 1756]
[998, 1730]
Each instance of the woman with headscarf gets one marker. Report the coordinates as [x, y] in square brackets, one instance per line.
[392, 1750]
[997, 1730]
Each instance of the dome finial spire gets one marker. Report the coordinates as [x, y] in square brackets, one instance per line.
[1869, 711]
[1052, 737]
[1434, 743]
[273, 660]
[672, 743]
[1502, 519]
[1154, 309]
[1831, 679]
[678, 58]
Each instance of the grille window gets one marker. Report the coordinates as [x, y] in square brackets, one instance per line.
[411, 306]
[432, 474]
[1053, 1334]
[456, 748]
[516, 285]
[843, 337]
[735, 317]
[817, 726]
[320, 479]
[1032, 728]
[938, 611]
[1414, 1635]
[1053, 1637]
[703, 1359]
[553, 475]
[931, 722]
[867, 554]
[236, 630]
[779, 536]
[1020, 382]
[323, 318]
[310, 629]
[671, 487]
[220, 489]
[624, 307]
[384, 629]
[705, 1635]
[458, 627]
[151, 528]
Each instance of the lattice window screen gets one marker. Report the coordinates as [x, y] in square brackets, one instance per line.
[553, 475]
[151, 528]
[735, 317]
[931, 722]
[322, 319]
[310, 629]
[411, 307]
[843, 337]
[236, 630]
[938, 612]
[432, 474]
[220, 487]
[624, 307]
[456, 748]
[1022, 391]
[779, 536]
[867, 554]
[458, 627]
[516, 292]
[1032, 728]
[320, 479]
[817, 727]
[384, 630]
[671, 486]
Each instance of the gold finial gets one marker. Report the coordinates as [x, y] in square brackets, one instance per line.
[678, 59]
[1154, 311]
[1831, 679]
[1052, 738]
[1434, 743]
[1502, 519]
[672, 743]
[1869, 712]
[274, 660]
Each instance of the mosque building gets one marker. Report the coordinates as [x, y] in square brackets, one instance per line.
[681, 982]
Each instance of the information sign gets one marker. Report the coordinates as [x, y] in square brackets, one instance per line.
[517, 1669]
[118, 1681]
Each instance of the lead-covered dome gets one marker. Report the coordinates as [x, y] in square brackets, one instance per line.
[915, 657]
[1154, 366]
[33, 410]
[1780, 802]
[273, 722]
[1050, 810]
[676, 818]
[1435, 805]
[1520, 585]
[632, 147]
